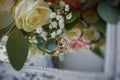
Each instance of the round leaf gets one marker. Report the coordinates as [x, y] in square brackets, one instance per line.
[107, 12]
[5, 20]
[101, 26]
[114, 2]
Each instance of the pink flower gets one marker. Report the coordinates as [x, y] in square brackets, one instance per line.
[79, 43]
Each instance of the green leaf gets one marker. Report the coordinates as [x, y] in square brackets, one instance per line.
[75, 15]
[114, 2]
[108, 12]
[69, 26]
[98, 52]
[101, 26]
[17, 49]
[6, 30]
[41, 43]
[5, 20]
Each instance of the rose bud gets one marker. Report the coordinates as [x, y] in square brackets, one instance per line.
[74, 4]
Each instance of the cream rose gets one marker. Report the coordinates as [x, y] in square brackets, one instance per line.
[31, 14]
[90, 34]
[75, 32]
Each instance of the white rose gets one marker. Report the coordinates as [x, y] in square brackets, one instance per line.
[31, 14]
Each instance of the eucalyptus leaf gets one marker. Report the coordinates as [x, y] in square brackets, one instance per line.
[98, 52]
[69, 26]
[101, 26]
[114, 2]
[17, 49]
[5, 20]
[108, 12]
[7, 29]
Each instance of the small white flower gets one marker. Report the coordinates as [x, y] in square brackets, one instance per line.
[58, 12]
[53, 15]
[69, 16]
[54, 24]
[62, 26]
[67, 8]
[58, 17]
[50, 26]
[49, 3]
[45, 38]
[30, 40]
[43, 34]
[29, 37]
[53, 35]
[35, 41]
[59, 31]
[62, 3]
[61, 21]
[39, 30]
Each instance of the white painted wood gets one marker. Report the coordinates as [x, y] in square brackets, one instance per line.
[110, 55]
[117, 72]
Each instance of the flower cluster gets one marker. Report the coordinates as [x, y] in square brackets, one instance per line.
[53, 20]
[54, 27]
[50, 24]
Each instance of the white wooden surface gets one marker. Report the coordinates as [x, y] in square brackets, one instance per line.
[117, 69]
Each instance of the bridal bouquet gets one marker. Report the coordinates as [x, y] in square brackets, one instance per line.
[53, 27]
